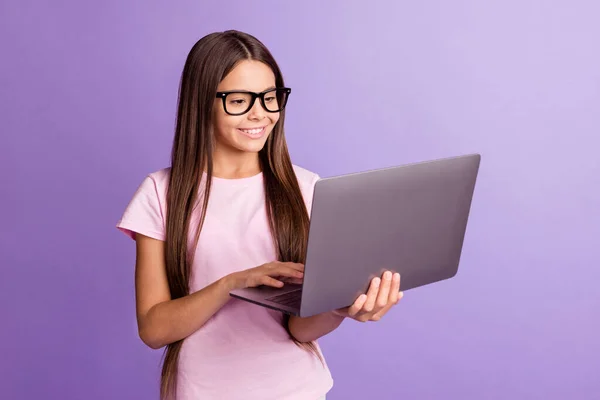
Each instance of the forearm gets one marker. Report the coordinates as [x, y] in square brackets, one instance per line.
[174, 320]
[311, 328]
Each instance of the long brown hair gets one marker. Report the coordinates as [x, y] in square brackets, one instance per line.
[208, 62]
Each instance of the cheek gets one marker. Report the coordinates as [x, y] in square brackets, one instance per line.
[275, 118]
[226, 125]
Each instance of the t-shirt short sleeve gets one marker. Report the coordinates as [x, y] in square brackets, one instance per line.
[307, 181]
[145, 212]
[311, 192]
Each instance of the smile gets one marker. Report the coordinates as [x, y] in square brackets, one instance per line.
[254, 133]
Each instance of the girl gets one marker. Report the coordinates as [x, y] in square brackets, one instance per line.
[231, 211]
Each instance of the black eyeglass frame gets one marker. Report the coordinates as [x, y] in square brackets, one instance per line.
[261, 96]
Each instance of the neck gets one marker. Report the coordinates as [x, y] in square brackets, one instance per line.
[235, 166]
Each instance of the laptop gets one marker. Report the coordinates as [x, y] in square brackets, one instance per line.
[409, 219]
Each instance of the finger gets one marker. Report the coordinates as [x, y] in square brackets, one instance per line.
[395, 290]
[342, 312]
[387, 308]
[394, 297]
[363, 318]
[379, 314]
[295, 281]
[286, 271]
[372, 295]
[357, 306]
[295, 266]
[384, 291]
[268, 281]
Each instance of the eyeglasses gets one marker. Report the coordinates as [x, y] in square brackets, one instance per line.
[240, 102]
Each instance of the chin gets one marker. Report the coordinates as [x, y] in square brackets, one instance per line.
[253, 147]
[248, 149]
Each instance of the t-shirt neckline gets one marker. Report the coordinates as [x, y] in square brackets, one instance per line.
[234, 181]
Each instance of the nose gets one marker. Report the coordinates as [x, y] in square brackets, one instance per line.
[257, 112]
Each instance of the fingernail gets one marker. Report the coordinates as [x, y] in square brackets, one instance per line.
[376, 282]
[396, 277]
[387, 275]
[400, 295]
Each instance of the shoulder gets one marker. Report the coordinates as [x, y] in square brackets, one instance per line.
[306, 178]
[145, 212]
[154, 187]
[160, 177]
[156, 183]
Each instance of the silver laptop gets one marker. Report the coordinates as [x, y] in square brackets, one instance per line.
[409, 219]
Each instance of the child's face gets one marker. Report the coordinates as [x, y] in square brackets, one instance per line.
[242, 133]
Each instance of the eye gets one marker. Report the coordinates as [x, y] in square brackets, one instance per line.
[237, 101]
[269, 99]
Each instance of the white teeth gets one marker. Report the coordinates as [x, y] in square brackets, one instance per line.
[252, 131]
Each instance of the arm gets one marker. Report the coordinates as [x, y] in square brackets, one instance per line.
[161, 320]
[372, 306]
[311, 328]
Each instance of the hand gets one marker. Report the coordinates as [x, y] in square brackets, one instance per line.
[270, 274]
[382, 295]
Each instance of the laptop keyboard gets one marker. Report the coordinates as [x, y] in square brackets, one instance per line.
[289, 299]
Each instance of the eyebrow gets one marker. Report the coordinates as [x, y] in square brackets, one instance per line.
[244, 90]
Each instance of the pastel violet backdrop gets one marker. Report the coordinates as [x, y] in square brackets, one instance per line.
[87, 103]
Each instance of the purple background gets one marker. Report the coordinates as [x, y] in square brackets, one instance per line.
[87, 100]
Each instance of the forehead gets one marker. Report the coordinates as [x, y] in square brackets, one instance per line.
[249, 75]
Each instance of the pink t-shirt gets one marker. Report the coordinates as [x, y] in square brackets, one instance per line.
[243, 351]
